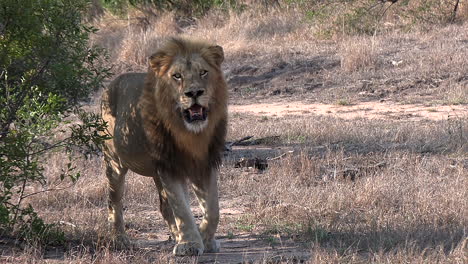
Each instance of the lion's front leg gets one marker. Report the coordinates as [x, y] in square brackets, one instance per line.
[166, 210]
[189, 241]
[207, 194]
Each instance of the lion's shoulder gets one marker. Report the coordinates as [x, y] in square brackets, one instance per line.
[127, 84]
[123, 91]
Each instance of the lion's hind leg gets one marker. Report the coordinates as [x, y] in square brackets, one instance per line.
[206, 191]
[116, 179]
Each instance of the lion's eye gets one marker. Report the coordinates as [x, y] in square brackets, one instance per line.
[177, 76]
[203, 73]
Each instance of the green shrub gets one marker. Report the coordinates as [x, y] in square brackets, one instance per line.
[356, 17]
[46, 69]
[183, 7]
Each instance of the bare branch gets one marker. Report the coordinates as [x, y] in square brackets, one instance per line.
[455, 9]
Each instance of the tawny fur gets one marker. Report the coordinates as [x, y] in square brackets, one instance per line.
[145, 116]
[139, 109]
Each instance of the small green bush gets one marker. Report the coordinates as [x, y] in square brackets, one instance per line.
[189, 8]
[356, 17]
[46, 69]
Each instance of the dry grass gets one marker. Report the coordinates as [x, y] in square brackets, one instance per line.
[359, 53]
[354, 191]
[360, 191]
[279, 53]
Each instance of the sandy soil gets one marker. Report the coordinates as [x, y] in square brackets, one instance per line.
[369, 110]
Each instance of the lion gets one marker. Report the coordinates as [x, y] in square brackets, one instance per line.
[170, 124]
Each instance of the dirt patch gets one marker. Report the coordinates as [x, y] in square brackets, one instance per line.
[245, 248]
[237, 247]
[241, 248]
[368, 110]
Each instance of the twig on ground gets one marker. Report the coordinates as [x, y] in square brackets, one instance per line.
[353, 172]
[280, 156]
[67, 223]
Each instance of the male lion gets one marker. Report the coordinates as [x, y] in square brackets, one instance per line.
[170, 124]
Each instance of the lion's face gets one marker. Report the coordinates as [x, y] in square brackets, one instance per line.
[191, 78]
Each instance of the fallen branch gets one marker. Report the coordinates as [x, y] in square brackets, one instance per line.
[454, 12]
[258, 141]
[229, 145]
[246, 142]
[237, 142]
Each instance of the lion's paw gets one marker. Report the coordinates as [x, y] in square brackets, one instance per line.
[122, 242]
[188, 249]
[212, 246]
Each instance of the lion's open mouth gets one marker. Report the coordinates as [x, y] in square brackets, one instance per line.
[195, 113]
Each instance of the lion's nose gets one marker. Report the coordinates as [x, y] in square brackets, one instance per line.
[194, 94]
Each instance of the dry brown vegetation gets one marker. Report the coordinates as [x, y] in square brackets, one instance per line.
[361, 190]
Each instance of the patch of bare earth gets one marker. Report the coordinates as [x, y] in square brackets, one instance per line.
[369, 110]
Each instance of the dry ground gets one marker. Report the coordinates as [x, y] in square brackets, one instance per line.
[365, 141]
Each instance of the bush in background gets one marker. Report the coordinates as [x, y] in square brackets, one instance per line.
[330, 18]
[183, 7]
[46, 69]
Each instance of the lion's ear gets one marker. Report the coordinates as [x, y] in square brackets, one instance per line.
[217, 54]
[159, 61]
